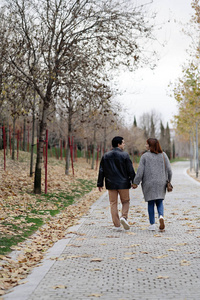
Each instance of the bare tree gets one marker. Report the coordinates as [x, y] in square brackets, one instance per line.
[46, 34]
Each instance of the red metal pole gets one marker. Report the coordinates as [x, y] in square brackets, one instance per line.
[46, 161]
[4, 147]
[71, 152]
[73, 148]
[17, 144]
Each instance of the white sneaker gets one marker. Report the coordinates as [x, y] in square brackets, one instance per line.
[162, 223]
[117, 228]
[124, 223]
[152, 227]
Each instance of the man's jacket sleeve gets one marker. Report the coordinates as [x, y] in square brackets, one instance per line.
[100, 181]
[131, 171]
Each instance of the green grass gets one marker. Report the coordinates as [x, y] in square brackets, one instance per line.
[20, 233]
[55, 203]
[178, 159]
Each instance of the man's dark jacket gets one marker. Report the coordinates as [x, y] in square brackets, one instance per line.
[117, 169]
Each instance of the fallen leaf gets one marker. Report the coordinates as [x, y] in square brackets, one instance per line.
[95, 295]
[85, 255]
[131, 233]
[72, 256]
[160, 256]
[162, 277]
[72, 245]
[171, 249]
[59, 286]
[184, 262]
[23, 282]
[96, 260]
[2, 292]
[140, 270]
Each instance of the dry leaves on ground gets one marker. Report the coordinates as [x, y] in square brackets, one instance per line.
[16, 200]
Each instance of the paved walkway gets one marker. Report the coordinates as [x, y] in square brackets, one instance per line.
[94, 261]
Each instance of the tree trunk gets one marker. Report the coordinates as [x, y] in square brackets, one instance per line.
[32, 138]
[68, 146]
[197, 151]
[70, 112]
[105, 138]
[67, 156]
[1, 136]
[13, 140]
[38, 167]
[101, 151]
[94, 147]
[87, 150]
[7, 138]
[24, 136]
[191, 154]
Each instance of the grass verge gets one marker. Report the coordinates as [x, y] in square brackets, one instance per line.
[20, 222]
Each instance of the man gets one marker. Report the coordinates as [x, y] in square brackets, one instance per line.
[117, 169]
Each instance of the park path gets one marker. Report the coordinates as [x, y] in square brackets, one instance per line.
[95, 262]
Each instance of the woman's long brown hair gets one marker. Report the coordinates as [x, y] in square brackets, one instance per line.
[154, 145]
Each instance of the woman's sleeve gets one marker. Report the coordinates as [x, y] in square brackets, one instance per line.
[168, 168]
[140, 171]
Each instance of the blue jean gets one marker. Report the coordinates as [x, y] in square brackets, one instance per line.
[160, 209]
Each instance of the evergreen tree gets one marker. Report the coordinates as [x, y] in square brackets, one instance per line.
[173, 149]
[168, 141]
[152, 129]
[145, 133]
[135, 122]
[162, 136]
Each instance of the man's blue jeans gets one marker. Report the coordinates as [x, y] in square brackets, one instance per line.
[160, 209]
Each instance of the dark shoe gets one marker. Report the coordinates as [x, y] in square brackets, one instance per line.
[162, 223]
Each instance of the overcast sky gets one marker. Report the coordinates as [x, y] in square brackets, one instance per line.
[148, 90]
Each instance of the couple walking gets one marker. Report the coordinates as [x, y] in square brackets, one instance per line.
[153, 172]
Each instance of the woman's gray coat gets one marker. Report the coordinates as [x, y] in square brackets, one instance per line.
[153, 176]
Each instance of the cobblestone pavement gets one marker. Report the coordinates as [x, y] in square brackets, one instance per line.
[94, 261]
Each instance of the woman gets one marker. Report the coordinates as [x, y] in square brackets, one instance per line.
[153, 171]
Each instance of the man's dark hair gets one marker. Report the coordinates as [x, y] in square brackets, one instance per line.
[117, 140]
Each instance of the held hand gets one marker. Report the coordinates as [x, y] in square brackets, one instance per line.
[100, 189]
[134, 186]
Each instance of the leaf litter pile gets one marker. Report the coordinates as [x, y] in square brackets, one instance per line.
[22, 213]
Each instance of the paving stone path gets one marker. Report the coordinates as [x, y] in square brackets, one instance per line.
[96, 262]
